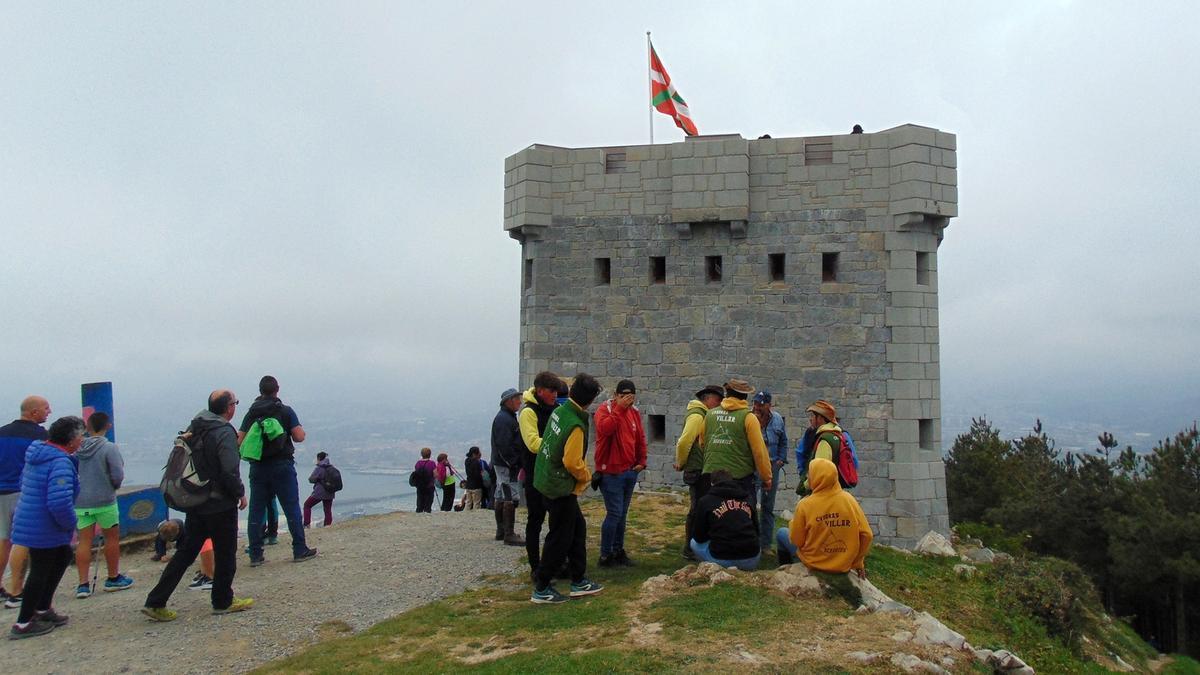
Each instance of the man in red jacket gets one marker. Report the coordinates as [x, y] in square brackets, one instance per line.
[620, 456]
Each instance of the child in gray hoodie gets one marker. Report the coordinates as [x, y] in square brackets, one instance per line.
[101, 471]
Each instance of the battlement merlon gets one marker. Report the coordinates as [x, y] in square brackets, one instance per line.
[907, 174]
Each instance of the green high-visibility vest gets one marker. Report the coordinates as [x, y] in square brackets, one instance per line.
[725, 444]
[550, 477]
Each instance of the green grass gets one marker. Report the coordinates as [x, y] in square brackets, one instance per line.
[497, 630]
[1182, 665]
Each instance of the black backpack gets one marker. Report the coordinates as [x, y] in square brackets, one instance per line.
[420, 477]
[332, 480]
[273, 448]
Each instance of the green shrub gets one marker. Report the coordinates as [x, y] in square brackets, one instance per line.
[1056, 592]
[993, 537]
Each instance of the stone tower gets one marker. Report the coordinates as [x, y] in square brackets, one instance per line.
[806, 266]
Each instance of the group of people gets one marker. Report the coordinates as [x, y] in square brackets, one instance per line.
[61, 483]
[729, 452]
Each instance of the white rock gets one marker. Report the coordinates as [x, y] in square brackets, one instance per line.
[912, 664]
[709, 569]
[794, 585]
[721, 577]
[930, 631]
[862, 657]
[933, 543]
[872, 597]
[902, 636]
[966, 571]
[981, 555]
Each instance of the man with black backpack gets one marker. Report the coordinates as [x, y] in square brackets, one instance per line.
[273, 475]
[213, 443]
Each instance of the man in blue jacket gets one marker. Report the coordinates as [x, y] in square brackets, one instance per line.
[775, 438]
[45, 521]
[14, 441]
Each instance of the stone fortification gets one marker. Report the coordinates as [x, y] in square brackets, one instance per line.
[807, 266]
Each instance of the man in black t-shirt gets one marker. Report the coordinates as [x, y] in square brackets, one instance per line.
[274, 475]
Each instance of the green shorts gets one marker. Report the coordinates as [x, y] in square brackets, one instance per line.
[106, 516]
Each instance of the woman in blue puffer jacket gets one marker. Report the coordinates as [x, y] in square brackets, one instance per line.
[45, 521]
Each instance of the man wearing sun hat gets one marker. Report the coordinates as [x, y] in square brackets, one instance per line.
[822, 428]
[733, 439]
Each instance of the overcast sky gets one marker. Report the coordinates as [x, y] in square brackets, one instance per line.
[193, 194]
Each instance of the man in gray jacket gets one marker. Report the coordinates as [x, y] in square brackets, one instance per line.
[215, 455]
[101, 471]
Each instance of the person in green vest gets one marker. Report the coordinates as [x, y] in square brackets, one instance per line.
[733, 439]
[689, 455]
[560, 474]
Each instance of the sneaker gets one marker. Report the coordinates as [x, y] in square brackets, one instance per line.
[271, 541]
[255, 562]
[13, 602]
[52, 616]
[83, 591]
[585, 587]
[608, 561]
[201, 583]
[307, 555]
[238, 605]
[689, 554]
[547, 596]
[159, 613]
[117, 583]
[31, 629]
[622, 559]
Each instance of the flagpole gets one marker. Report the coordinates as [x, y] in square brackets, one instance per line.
[650, 81]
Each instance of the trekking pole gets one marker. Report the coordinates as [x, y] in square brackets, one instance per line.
[97, 544]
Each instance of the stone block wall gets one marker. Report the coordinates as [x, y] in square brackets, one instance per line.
[826, 249]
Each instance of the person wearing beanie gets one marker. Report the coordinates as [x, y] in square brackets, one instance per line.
[561, 475]
[689, 455]
[620, 457]
[733, 439]
[507, 452]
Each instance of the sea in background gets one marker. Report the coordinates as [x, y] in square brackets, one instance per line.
[364, 493]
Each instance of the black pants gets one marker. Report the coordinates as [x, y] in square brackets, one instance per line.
[695, 492]
[46, 568]
[535, 505]
[566, 540]
[425, 499]
[222, 528]
[447, 497]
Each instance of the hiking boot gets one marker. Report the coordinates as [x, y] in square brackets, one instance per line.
[83, 591]
[307, 555]
[52, 616]
[201, 583]
[607, 561]
[509, 514]
[31, 629]
[622, 559]
[159, 613]
[585, 587]
[547, 596]
[255, 562]
[117, 583]
[238, 605]
[271, 541]
[14, 601]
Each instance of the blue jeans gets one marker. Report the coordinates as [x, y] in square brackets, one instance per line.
[745, 564]
[784, 548]
[618, 493]
[274, 479]
[766, 510]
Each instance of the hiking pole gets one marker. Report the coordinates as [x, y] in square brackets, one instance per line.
[97, 543]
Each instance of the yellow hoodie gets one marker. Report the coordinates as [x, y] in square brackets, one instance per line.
[829, 528]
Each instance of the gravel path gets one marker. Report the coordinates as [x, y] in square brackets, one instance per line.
[369, 569]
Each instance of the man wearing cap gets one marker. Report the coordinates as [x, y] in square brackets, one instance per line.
[507, 449]
[822, 439]
[733, 439]
[775, 437]
[620, 456]
[689, 455]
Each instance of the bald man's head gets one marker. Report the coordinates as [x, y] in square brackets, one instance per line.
[36, 409]
[222, 402]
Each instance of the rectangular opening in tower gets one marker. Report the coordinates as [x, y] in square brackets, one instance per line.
[925, 434]
[712, 268]
[658, 428]
[603, 268]
[658, 269]
[527, 277]
[775, 266]
[829, 267]
[614, 162]
[818, 150]
[922, 268]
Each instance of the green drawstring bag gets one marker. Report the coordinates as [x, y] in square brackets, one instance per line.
[252, 444]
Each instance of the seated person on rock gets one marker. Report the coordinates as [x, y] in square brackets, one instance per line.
[725, 530]
[829, 531]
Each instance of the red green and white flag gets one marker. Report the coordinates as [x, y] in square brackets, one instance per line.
[665, 99]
